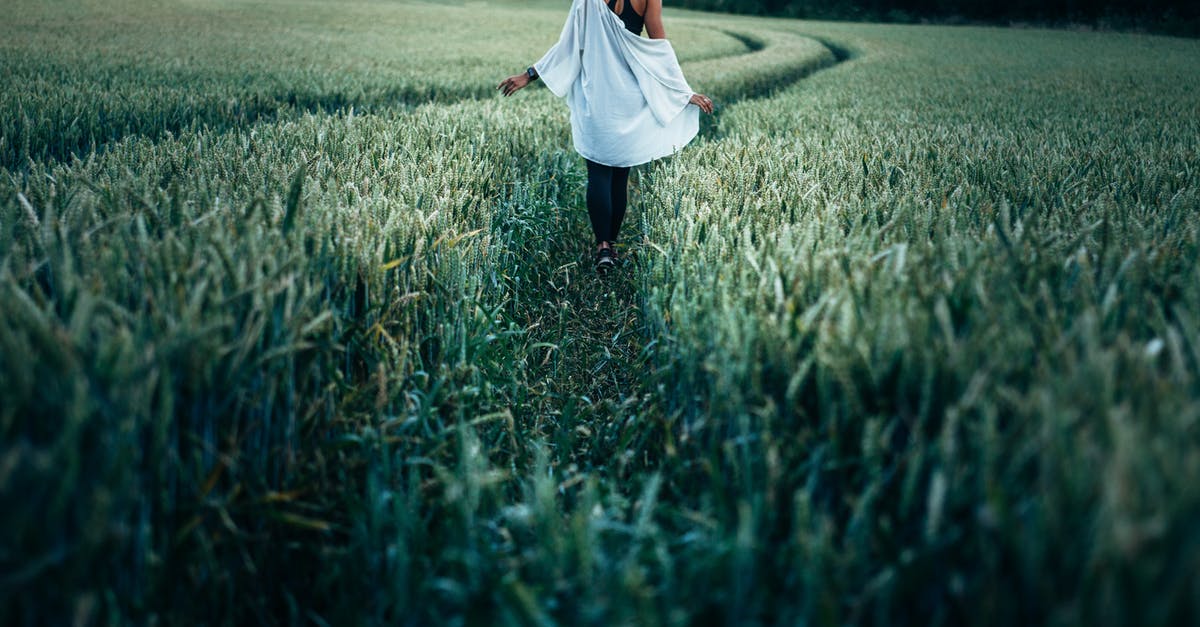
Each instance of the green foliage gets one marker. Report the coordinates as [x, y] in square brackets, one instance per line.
[913, 340]
[1163, 16]
[940, 321]
[81, 76]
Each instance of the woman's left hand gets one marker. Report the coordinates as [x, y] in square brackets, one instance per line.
[704, 102]
[513, 83]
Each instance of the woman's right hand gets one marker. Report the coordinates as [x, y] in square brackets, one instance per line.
[704, 102]
[513, 83]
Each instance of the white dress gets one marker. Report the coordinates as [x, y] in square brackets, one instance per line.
[627, 95]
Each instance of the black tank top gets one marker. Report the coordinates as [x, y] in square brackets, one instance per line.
[633, 22]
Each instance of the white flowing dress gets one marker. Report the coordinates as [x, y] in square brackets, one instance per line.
[627, 95]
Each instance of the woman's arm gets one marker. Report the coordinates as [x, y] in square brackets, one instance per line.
[561, 63]
[654, 28]
[653, 17]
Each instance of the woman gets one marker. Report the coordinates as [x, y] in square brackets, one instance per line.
[629, 101]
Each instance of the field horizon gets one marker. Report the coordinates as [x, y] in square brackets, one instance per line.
[299, 325]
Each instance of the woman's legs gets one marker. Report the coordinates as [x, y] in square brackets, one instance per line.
[607, 196]
[599, 199]
[620, 196]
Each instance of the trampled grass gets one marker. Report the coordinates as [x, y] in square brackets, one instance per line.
[913, 340]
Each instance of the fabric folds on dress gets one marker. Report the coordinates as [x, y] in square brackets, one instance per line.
[627, 94]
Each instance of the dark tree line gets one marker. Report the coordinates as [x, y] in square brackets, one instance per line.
[1170, 16]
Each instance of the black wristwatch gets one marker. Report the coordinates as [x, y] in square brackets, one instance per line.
[531, 73]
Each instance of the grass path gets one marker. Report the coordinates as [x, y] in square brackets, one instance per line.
[593, 368]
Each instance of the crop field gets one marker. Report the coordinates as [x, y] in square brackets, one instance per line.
[298, 325]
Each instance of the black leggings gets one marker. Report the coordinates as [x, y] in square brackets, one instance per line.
[607, 194]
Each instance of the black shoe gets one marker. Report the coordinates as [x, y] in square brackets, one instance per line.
[617, 257]
[605, 260]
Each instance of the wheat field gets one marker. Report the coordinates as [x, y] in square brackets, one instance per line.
[298, 326]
